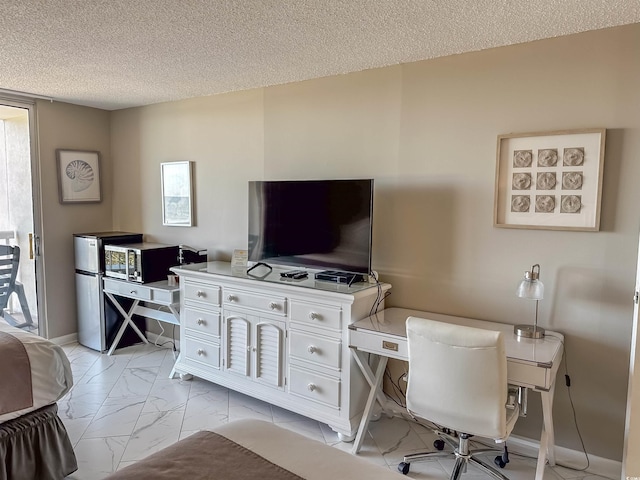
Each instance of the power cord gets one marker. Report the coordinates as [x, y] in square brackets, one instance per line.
[397, 390]
[567, 381]
[173, 333]
[380, 297]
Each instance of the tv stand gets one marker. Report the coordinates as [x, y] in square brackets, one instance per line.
[284, 343]
[337, 276]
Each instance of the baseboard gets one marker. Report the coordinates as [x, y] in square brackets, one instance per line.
[566, 457]
[65, 339]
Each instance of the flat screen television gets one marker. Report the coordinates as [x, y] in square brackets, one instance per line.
[323, 224]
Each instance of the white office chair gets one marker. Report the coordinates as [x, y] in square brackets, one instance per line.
[458, 382]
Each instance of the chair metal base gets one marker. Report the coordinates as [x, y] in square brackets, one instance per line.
[463, 455]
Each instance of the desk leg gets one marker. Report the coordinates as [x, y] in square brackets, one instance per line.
[542, 454]
[547, 415]
[127, 321]
[176, 314]
[173, 369]
[368, 409]
[368, 374]
[547, 445]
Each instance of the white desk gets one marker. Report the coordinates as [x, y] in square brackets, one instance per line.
[530, 363]
[156, 295]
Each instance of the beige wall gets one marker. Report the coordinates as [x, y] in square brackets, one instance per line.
[67, 126]
[427, 133]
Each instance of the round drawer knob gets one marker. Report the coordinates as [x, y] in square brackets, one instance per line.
[231, 298]
[200, 294]
[200, 352]
[311, 349]
[314, 316]
[201, 322]
[273, 306]
[311, 387]
[133, 292]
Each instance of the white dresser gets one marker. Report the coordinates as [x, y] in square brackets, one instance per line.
[283, 341]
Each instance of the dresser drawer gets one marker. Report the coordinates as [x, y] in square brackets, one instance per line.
[271, 304]
[127, 289]
[202, 292]
[199, 352]
[313, 349]
[316, 387]
[202, 321]
[308, 314]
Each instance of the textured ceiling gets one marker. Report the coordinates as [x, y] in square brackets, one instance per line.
[115, 54]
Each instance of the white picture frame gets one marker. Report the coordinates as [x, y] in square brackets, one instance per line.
[177, 194]
[550, 180]
[78, 176]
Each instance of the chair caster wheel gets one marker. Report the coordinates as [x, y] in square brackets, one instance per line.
[403, 467]
[499, 462]
[438, 444]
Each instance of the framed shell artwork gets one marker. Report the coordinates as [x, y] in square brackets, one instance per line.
[78, 176]
[550, 180]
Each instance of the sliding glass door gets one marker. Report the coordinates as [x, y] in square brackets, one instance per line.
[19, 208]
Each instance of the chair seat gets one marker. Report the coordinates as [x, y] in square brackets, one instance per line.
[511, 415]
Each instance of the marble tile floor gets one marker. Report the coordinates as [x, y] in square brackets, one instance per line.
[124, 407]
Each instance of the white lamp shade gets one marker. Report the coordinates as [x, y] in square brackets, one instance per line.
[533, 289]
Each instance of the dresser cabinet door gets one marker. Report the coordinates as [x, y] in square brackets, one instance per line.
[255, 348]
[236, 343]
[268, 352]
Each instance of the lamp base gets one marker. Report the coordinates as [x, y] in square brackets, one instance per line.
[528, 331]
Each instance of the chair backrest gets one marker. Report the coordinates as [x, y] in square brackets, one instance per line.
[457, 377]
[9, 260]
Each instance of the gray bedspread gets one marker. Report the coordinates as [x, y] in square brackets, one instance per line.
[205, 456]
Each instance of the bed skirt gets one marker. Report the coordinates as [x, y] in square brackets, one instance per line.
[36, 446]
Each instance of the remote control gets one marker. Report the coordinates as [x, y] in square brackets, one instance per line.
[300, 275]
[293, 273]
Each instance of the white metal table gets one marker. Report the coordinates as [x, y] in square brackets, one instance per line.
[161, 302]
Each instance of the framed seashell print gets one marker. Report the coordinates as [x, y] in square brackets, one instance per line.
[78, 176]
[550, 180]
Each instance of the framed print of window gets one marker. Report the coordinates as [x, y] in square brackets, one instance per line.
[550, 181]
[177, 194]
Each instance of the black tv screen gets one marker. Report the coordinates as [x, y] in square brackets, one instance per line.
[324, 224]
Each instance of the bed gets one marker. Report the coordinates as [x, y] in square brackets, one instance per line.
[34, 375]
[252, 450]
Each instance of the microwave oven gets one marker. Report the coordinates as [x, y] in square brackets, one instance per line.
[140, 262]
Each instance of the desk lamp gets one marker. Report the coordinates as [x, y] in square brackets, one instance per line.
[531, 287]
